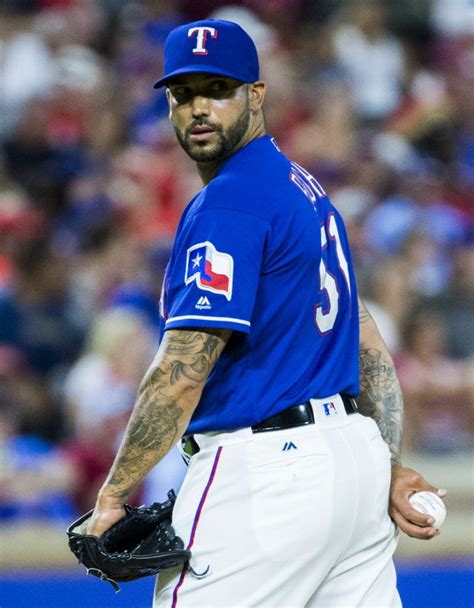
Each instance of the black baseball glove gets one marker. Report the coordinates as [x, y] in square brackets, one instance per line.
[141, 544]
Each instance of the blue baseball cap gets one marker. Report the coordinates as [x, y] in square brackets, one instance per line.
[210, 46]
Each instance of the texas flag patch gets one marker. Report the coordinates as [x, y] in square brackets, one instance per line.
[211, 269]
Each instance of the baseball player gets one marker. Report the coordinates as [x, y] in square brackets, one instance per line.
[286, 498]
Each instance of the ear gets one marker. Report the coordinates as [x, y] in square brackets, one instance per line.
[257, 94]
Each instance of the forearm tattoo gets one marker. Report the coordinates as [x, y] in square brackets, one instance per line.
[166, 398]
[380, 394]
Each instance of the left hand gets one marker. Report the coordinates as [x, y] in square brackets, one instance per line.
[107, 512]
[404, 483]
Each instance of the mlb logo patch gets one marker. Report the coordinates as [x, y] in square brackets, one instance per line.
[330, 409]
[211, 269]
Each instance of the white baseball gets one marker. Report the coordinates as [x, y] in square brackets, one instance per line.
[431, 504]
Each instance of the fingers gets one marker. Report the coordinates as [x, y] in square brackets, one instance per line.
[424, 486]
[420, 531]
[413, 516]
[405, 482]
[101, 521]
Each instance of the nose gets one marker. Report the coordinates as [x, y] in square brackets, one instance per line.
[200, 106]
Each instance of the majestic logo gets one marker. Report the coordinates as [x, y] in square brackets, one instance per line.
[330, 409]
[203, 304]
[289, 445]
[201, 38]
[211, 269]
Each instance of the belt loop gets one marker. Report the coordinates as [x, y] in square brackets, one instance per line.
[350, 404]
[189, 448]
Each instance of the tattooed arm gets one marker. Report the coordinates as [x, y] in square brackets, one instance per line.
[167, 398]
[381, 399]
[380, 394]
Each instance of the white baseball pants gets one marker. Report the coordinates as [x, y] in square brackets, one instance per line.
[287, 519]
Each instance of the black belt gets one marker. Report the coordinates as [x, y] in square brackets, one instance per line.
[294, 416]
[297, 415]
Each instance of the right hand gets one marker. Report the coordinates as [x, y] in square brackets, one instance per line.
[406, 482]
[107, 512]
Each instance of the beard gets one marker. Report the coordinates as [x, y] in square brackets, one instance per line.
[205, 151]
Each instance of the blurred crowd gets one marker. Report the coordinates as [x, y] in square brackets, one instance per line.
[374, 97]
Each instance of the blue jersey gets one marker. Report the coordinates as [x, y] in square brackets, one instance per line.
[260, 250]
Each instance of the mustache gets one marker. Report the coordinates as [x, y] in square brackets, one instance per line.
[202, 123]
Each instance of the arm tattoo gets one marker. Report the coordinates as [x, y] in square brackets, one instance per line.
[364, 315]
[166, 399]
[380, 394]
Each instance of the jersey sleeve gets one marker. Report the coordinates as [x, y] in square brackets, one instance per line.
[218, 259]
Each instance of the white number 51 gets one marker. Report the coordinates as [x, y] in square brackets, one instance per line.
[325, 317]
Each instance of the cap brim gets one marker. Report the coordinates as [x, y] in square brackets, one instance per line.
[198, 69]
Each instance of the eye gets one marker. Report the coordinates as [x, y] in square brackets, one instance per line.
[181, 94]
[220, 89]
[218, 85]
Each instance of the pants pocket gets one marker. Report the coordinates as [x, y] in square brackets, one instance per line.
[286, 497]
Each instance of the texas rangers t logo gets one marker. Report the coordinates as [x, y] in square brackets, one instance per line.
[211, 269]
[200, 48]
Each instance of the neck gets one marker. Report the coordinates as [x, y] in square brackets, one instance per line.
[208, 170]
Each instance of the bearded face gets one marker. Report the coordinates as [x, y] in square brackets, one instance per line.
[206, 141]
[210, 115]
